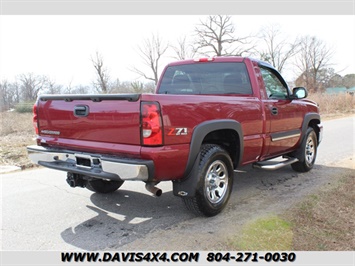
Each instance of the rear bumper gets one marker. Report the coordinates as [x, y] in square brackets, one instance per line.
[94, 165]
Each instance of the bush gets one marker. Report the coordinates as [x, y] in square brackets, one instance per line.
[24, 107]
[340, 103]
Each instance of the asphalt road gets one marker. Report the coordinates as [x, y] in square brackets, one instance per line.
[41, 212]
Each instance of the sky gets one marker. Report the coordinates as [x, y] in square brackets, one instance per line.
[61, 46]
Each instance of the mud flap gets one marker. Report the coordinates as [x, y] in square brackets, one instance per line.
[187, 186]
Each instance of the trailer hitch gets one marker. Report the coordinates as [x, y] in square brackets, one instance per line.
[76, 180]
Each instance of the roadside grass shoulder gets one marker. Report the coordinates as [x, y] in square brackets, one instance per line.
[16, 132]
[323, 221]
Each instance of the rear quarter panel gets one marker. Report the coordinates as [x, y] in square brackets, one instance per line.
[187, 111]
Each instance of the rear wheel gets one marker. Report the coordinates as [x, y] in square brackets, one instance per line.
[307, 152]
[215, 182]
[103, 186]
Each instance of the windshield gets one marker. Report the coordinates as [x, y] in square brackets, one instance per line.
[206, 78]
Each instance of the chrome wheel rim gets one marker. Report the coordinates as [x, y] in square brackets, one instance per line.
[310, 150]
[216, 182]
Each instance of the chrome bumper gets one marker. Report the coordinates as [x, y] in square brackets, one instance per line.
[103, 167]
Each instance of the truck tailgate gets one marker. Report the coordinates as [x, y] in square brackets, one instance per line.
[94, 118]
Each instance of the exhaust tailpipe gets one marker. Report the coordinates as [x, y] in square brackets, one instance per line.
[153, 189]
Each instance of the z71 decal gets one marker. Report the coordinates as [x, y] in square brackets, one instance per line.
[178, 131]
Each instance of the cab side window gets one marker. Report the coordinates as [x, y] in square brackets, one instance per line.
[275, 89]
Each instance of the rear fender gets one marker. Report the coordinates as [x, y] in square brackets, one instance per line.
[187, 185]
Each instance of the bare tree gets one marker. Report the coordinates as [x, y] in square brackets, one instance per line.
[149, 87]
[4, 95]
[278, 50]
[30, 86]
[15, 92]
[313, 59]
[101, 83]
[151, 52]
[125, 87]
[215, 36]
[349, 81]
[80, 89]
[336, 81]
[324, 78]
[9, 95]
[114, 86]
[52, 87]
[183, 50]
[137, 86]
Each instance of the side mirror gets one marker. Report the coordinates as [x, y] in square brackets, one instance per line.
[299, 93]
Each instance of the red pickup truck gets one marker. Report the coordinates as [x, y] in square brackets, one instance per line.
[207, 117]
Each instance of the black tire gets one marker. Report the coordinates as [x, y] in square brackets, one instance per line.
[103, 186]
[215, 182]
[307, 153]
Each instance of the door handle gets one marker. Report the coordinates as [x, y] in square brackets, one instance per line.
[274, 111]
[81, 110]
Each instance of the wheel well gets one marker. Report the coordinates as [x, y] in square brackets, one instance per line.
[313, 124]
[228, 139]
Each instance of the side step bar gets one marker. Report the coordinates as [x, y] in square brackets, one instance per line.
[273, 165]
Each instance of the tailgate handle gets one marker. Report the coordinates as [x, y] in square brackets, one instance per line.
[81, 110]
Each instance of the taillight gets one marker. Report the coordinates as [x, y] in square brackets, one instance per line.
[35, 118]
[151, 124]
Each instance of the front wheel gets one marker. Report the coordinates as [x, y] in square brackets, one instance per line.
[215, 181]
[103, 186]
[307, 152]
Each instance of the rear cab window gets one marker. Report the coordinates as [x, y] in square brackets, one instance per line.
[206, 78]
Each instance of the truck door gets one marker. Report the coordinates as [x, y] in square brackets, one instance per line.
[283, 116]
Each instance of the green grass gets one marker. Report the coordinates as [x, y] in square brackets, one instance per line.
[267, 233]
